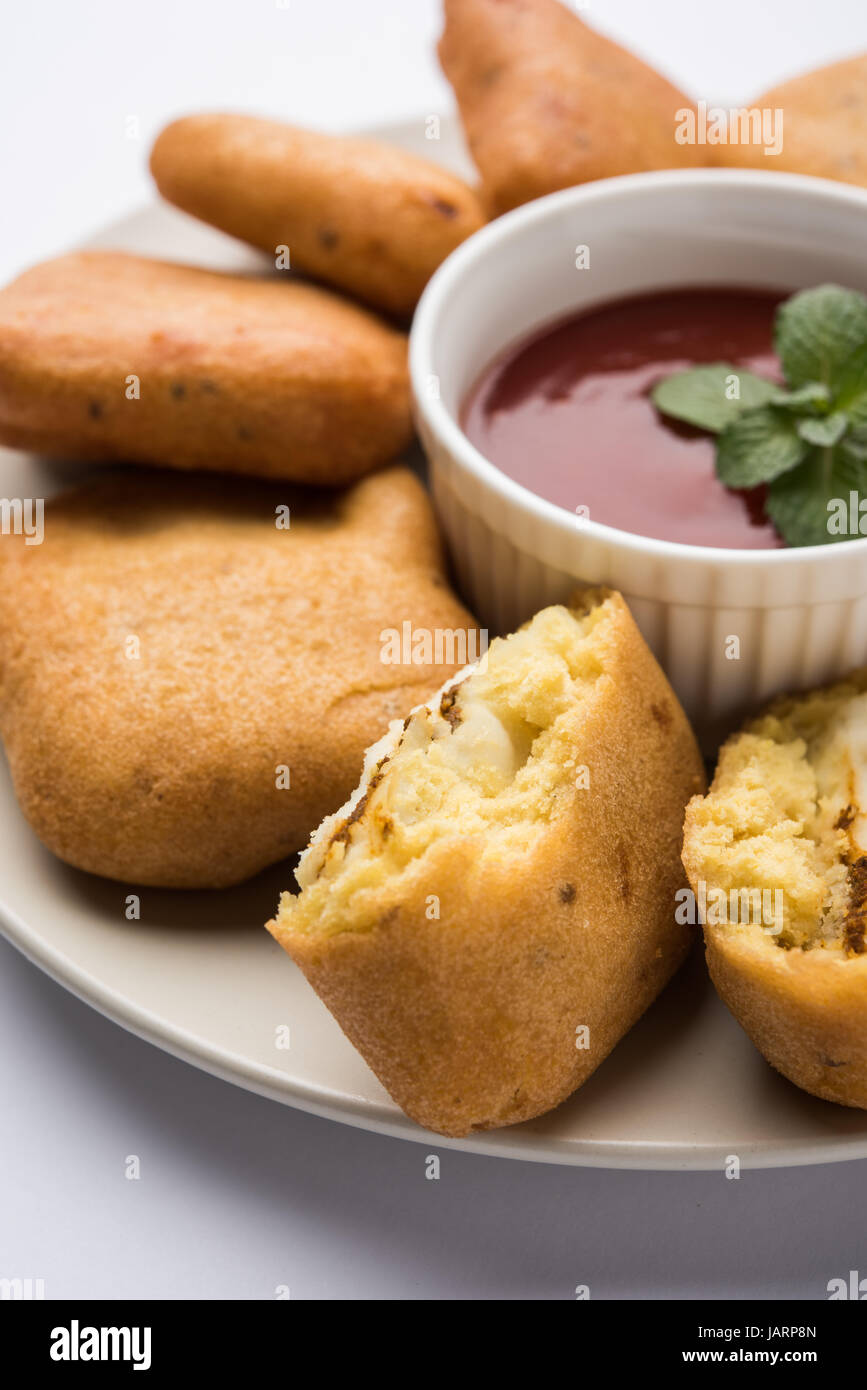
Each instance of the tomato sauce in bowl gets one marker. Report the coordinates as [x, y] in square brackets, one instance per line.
[567, 413]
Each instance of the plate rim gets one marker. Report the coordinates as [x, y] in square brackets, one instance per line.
[510, 1142]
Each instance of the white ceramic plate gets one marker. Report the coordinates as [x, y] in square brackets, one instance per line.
[198, 975]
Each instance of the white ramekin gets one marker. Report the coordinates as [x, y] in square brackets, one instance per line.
[800, 615]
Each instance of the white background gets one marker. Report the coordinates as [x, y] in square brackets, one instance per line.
[239, 1195]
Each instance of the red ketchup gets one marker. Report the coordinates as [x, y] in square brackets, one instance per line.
[568, 414]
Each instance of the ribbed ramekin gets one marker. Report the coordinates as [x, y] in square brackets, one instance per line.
[799, 615]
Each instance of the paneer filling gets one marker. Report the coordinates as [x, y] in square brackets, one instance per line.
[787, 813]
[490, 756]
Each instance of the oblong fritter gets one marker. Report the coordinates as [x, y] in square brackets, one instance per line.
[107, 356]
[364, 216]
[546, 102]
[495, 906]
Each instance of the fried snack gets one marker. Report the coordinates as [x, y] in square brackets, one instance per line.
[777, 853]
[364, 216]
[109, 356]
[547, 103]
[824, 125]
[504, 876]
[186, 686]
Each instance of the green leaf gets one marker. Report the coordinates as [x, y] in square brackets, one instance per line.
[854, 445]
[808, 440]
[758, 447]
[851, 393]
[812, 397]
[816, 332]
[806, 504]
[825, 433]
[702, 396]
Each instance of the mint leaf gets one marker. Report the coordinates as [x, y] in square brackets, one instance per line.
[825, 433]
[758, 447]
[812, 504]
[813, 397]
[702, 395]
[852, 387]
[817, 330]
[854, 445]
[807, 440]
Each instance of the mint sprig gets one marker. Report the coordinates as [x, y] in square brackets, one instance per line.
[817, 332]
[758, 447]
[852, 387]
[806, 440]
[712, 397]
[798, 501]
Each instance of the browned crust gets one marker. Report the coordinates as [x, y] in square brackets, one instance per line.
[258, 648]
[470, 1020]
[824, 124]
[804, 1008]
[546, 102]
[363, 216]
[806, 1011]
[856, 908]
[258, 376]
[449, 709]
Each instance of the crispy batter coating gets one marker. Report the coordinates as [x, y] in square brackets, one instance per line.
[107, 356]
[547, 103]
[505, 874]
[363, 216]
[168, 650]
[824, 125]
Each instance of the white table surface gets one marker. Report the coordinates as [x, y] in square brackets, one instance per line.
[239, 1196]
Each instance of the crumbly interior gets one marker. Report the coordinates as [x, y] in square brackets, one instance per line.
[787, 812]
[490, 756]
